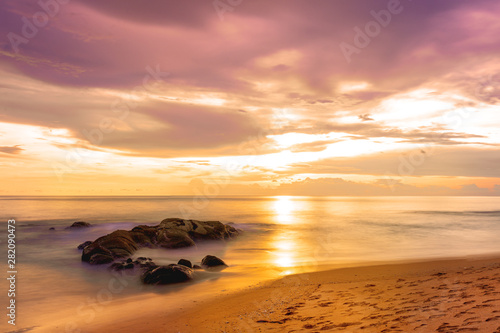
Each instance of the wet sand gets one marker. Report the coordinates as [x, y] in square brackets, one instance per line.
[434, 296]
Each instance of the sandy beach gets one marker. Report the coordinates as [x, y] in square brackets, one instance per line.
[461, 295]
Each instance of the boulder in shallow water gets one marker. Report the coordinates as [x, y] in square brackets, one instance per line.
[126, 264]
[171, 233]
[83, 245]
[199, 229]
[173, 239]
[100, 259]
[79, 225]
[185, 262]
[144, 263]
[118, 244]
[167, 274]
[212, 261]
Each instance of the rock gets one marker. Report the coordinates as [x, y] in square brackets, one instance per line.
[200, 229]
[144, 236]
[141, 263]
[99, 259]
[167, 274]
[52, 228]
[145, 263]
[197, 267]
[173, 239]
[185, 262]
[118, 266]
[118, 244]
[79, 224]
[83, 245]
[171, 233]
[212, 261]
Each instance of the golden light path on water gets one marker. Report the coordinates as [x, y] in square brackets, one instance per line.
[285, 255]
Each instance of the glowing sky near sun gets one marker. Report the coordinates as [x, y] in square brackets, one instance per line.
[124, 97]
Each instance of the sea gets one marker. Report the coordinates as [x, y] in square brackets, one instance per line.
[281, 235]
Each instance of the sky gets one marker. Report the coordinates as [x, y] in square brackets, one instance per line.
[250, 97]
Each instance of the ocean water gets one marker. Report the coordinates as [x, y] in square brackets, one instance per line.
[281, 235]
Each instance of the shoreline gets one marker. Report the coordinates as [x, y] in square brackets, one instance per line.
[421, 295]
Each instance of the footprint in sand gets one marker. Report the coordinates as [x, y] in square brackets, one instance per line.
[325, 304]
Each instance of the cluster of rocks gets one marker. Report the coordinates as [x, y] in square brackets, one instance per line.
[152, 273]
[170, 233]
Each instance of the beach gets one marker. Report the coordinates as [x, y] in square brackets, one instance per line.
[460, 295]
[322, 252]
[249, 166]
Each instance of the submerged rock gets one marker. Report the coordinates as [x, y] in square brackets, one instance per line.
[127, 264]
[141, 263]
[185, 262]
[79, 224]
[167, 274]
[212, 261]
[84, 244]
[170, 233]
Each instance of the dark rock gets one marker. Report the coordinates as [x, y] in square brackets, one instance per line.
[141, 262]
[52, 228]
[99, 259]
[185, 262]
[83, 245]
[200, 229]
[173, 239]
[118, 266]
[170, 233]
[79, 224]
[212, 261]
[197, 267]
[144, 236]
[167, 274]
[143, 259]
[118, 244]
[144, 263]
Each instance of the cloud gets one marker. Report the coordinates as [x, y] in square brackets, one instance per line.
[229, 79]
[365, 117]
[191, 42]
[13, 150]
[182, 127]
[426, 161]
[341, 187]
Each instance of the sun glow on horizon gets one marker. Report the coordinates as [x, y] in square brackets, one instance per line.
[254, 111]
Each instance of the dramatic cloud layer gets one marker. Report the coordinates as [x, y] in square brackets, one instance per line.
[364, 97]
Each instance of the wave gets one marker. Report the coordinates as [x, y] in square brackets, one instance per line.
[460, 213]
